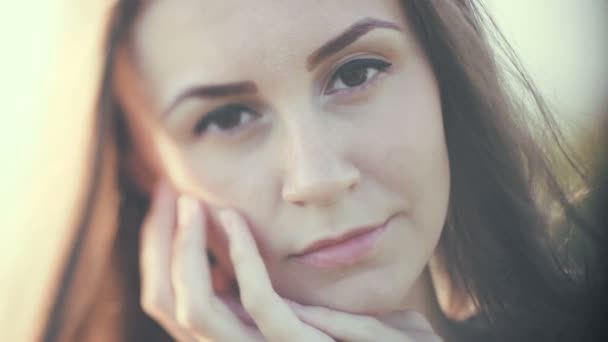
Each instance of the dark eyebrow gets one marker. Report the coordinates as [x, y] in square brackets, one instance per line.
[349, 36]
[214, 91]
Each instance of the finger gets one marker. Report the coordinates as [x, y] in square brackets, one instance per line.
[407, 320]
[189, 264]
[157, 298]
[272, 315]
[197, 307]
[156, 253]
[361, 328]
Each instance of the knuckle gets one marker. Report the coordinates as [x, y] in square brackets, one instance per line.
[194, 317]
[156, 300]
[155, 306]
[187, 320]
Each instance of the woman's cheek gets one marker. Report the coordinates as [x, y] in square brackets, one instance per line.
[242, 185]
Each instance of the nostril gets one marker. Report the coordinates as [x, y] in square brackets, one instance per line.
[320, 186]
[298, 203]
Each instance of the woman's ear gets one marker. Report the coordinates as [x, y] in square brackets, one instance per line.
[455, 302]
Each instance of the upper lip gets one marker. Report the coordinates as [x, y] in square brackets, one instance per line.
[332, 241]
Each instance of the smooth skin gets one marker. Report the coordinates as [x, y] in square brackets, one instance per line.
[307, 148]
[178, 290]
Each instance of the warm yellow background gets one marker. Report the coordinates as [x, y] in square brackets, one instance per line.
[48, 74]
[49, 68]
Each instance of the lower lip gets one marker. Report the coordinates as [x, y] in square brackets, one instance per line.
[346, 253]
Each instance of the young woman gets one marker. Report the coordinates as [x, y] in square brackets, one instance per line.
[320, 171]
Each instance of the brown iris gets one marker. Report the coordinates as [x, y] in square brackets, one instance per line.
[353, 78]
[357, 72]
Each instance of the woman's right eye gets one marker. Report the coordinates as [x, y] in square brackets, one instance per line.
[225, 118]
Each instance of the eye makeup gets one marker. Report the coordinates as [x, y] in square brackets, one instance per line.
[355, 75]
[225, 118]
[348, 79]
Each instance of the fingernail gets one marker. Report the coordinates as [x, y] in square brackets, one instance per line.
[187, 210]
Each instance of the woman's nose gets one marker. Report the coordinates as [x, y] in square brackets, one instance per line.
[317, 173]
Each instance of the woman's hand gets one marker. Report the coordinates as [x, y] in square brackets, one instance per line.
[262, 301]
[177, 287]
[412, 327]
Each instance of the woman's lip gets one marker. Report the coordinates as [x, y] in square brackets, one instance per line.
[344, 250]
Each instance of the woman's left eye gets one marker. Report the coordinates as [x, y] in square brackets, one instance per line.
[355, 74]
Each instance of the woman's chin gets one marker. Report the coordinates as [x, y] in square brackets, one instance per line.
[376, 291]
[355, 300]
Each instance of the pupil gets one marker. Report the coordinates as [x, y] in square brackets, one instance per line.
[229, 118]
[353, 78]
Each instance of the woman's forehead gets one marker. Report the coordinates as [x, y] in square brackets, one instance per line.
[245, 25]
[175, 42]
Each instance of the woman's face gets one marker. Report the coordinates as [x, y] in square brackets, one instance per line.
[312, 118]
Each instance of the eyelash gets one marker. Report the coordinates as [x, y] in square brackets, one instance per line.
[211, 119]
[228, 111]
[357, 65]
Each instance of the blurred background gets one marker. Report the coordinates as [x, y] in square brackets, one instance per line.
[563, 45]
[50, 69]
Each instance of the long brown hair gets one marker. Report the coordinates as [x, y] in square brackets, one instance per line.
[496, 244]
